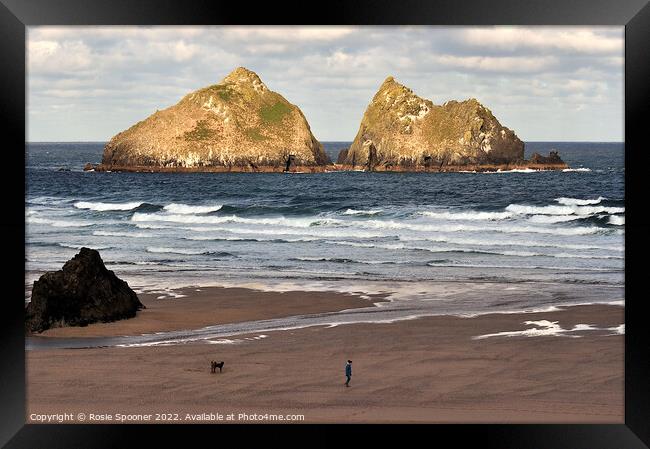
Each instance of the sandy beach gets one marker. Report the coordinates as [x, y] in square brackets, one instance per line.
[430, 369]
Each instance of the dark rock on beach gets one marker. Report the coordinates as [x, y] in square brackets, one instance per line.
[81, 293]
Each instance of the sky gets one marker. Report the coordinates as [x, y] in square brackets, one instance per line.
[545, 83]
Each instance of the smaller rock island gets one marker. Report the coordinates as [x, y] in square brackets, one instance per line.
[81, 293]
[402, 132]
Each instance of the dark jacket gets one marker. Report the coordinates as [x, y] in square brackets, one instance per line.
[348, 369]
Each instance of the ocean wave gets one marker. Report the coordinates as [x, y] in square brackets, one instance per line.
[101, 207]
[345, 260]
[322, 226]
[496, 252]
[446, 264]
[323, 259]
[122, 234]
[48, 200]
[308, 233]
[152, 226]
[517, 253]
[510, 242]
[193, 252]
[470, 215]
[617, 220]
[579, 202]
[550, 219]
[95, 247]
[581, 169]
[203, 219]
[524, 209]
[59, 223]
[243, 239]
[390, 224]
[140, 262]
[186, 209]
[362, 212]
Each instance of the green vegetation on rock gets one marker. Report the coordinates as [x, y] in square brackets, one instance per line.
[254, 134]
[201, 131]
[274, 113]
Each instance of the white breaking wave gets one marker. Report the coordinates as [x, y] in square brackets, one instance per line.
[106, 206]
[188, 209]
[617, 220]
[65, 245]
[175, 250]
[243, 239]
[518, 170]
[202, 219]
[122, 234]
[320, 226]
[579, 202]
[553, 218]
[362, 212]
[562, 210]
[390, 224]
[151, 226]
[59, 223]
[471, 215]
[576, 169]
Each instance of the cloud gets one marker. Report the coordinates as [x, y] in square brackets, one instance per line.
[287, 33]
[579, 40]
[105, 78]
[48, 56]
[497, 63]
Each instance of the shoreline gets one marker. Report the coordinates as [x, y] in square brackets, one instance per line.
[192, 308]
[479, 168]
[430, 369]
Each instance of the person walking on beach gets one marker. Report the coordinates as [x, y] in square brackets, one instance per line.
[348, 372]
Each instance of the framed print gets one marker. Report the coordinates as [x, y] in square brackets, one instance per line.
[417, 213]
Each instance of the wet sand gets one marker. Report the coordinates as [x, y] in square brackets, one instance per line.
[205, 306]
[429, 369]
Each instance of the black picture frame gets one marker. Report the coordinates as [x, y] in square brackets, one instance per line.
[16, 15]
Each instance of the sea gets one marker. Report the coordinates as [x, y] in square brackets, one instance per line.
[458, 243]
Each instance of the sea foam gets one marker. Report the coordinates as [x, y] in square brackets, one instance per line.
[469, 215]
[362, 212]
[617, 220]
[579, 202]
[524, 209]
[189, 209]
[101, 207]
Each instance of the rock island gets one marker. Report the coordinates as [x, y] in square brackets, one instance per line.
[402, 132]
[235, 125]
[239, 125]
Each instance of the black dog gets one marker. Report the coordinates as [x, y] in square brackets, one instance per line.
[214, 365]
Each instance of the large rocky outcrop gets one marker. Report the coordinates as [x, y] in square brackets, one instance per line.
[81, 293]
[237, 124]
[402, 131]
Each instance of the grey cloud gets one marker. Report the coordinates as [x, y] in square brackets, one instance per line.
[88, 83]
